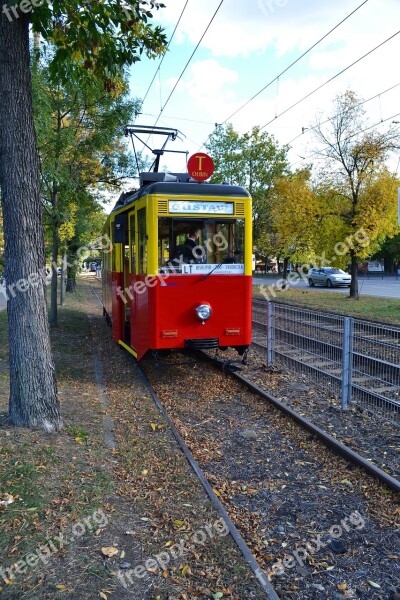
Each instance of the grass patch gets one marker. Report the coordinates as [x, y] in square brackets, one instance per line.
[78, 433]
[385, 310]
[54, 481]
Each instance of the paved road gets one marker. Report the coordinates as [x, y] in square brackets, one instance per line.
[388, 287]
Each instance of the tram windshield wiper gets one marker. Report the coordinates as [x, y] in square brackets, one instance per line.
[212, 271]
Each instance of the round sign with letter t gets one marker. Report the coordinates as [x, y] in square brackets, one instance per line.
[200, 166]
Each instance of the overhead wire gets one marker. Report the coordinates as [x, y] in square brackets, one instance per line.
[179, 119]
[294, 62]
[358, 132]
[305, 130]
[165, 52]
[290, 66]
[188, 62]
[379, 123]
[278, 76]
[329, 80]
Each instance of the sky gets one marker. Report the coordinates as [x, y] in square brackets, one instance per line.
[248, 44]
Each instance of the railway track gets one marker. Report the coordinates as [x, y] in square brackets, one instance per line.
[243, 547]
[279, 489]
[387, 343]
[364, 431]
[323, 355]
[235, 438]
[325, 438]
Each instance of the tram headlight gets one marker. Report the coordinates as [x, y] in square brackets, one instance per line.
[204, 312]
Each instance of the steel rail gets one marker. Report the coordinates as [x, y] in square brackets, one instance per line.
[261, 327]
[327, 439]
[243, 547]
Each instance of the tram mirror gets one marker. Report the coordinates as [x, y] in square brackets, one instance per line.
[120, 225]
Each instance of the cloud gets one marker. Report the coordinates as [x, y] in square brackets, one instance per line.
[240, 29]
[206, 75]
[250, 43]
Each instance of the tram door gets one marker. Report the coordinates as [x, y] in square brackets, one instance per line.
[139, 302]
[129, 271]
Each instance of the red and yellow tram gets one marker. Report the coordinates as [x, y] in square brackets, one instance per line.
[155, 298]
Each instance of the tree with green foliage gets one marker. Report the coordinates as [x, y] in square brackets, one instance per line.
[357, 191]
[253, 160]
[373, 222]
[91, 40]
[294, 209]
[390, 253]
[81, 151]
[89, 224]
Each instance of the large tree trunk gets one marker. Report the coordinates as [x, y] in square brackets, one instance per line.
[33, 391]
[285, 267]
[72, 266]
[354, 275]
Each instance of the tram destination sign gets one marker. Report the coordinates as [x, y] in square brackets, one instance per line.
[189, 207]
[222, 269]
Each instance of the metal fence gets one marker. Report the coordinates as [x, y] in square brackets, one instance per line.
[355, 359]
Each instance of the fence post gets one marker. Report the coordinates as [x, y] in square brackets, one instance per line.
[270, 333]
[347, 360]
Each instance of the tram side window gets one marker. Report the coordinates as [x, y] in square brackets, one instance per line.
[142, 241]
[105, 259]
[164, 241]
[114, 249]
[132, 230]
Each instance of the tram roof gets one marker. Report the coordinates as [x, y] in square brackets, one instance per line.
[181, 185]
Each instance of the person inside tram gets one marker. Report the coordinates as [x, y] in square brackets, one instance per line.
[189, 252]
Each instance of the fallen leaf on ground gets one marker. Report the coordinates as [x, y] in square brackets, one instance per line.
[109, 551]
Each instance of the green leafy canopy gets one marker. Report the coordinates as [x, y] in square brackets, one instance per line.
[98, 36]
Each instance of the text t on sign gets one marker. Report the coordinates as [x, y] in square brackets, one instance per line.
[200, 166]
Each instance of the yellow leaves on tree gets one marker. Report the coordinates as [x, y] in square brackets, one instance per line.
[376, 210]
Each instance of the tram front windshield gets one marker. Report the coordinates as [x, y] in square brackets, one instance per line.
[219, 245]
